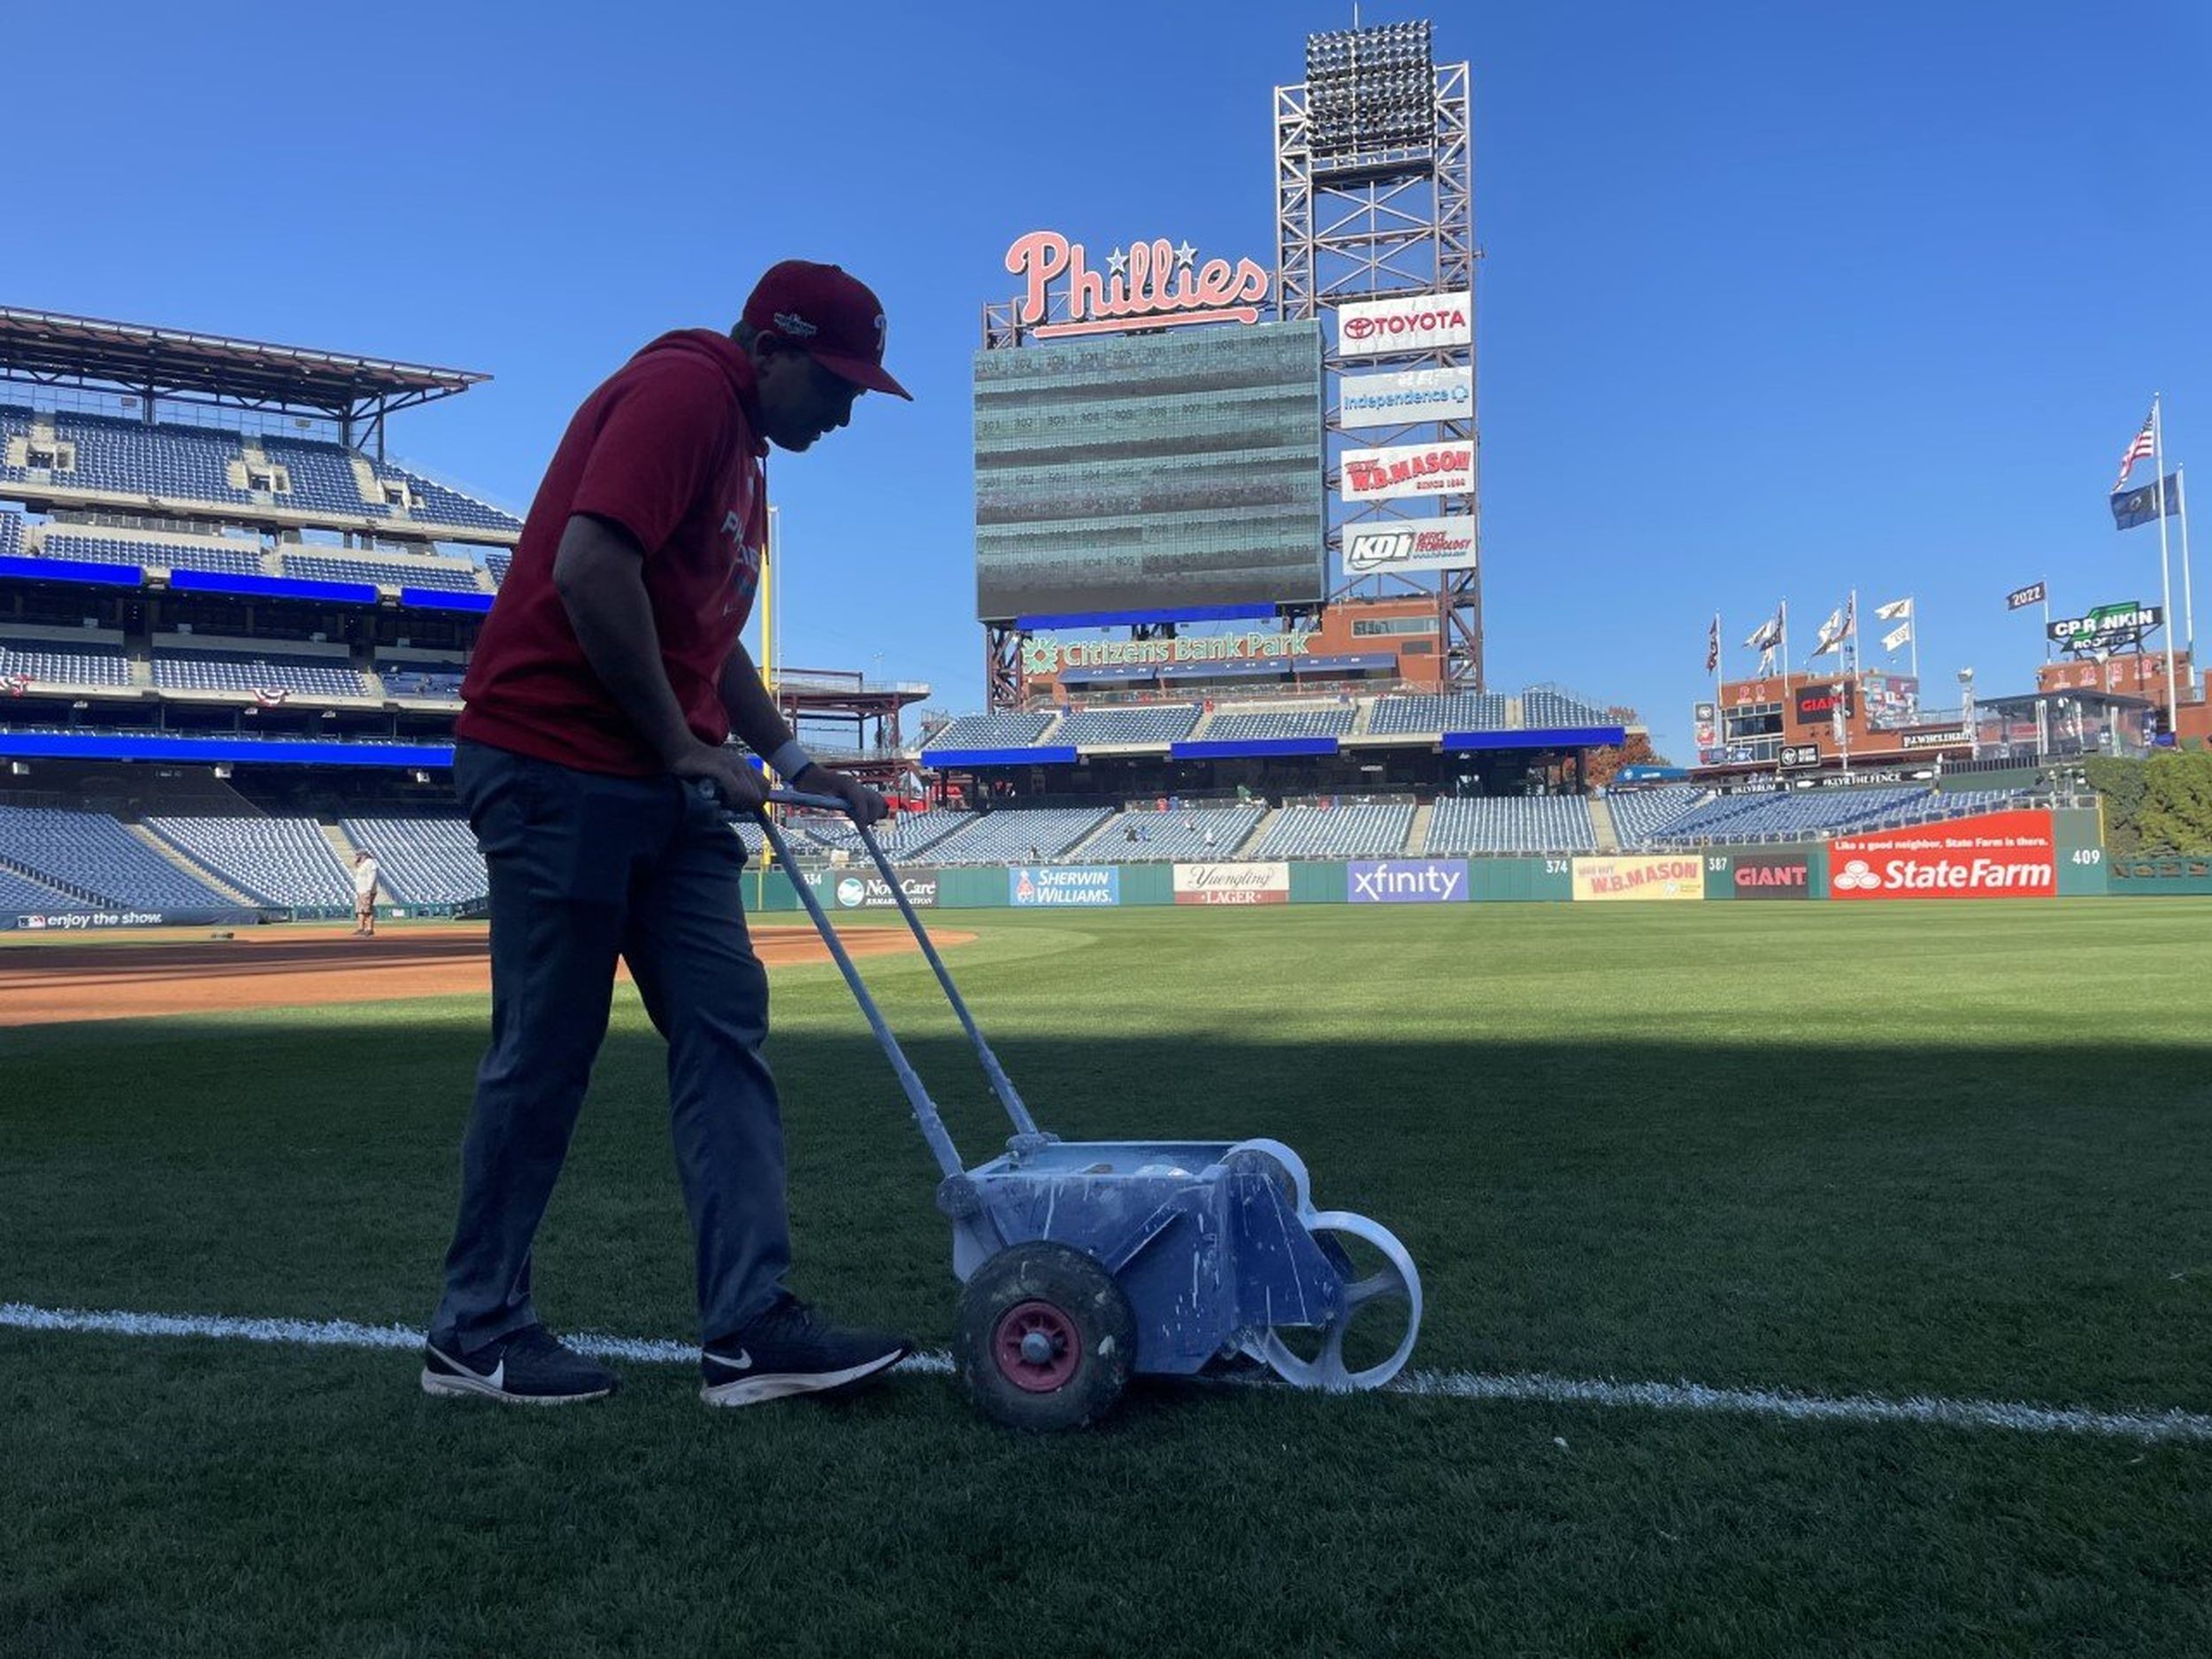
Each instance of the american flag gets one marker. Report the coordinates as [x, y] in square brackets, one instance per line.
[1712, 645]
[2144, 445]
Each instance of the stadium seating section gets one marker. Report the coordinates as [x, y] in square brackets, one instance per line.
[21, 893]
[333, 567]
[1325, 719]
[279, 861]
[94, 858]
[1335, 831]
[1638, 814]
[10, 534]
[1783, 815]
[902, 837]
[55, 662]
[992, 731]
[1460, 711]
[1547, 710]
[422, 861]
[243, 560]
[1148, 836]
[421, 679]
[1512, 824]
[1006, 837]
[241, 671]
[496, 562]
[191, 467]
[1152, 723]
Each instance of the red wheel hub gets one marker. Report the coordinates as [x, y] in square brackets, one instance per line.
[1037, 1346]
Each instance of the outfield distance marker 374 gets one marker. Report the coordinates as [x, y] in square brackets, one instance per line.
[1082, 1262]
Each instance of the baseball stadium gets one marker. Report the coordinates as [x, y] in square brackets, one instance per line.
[1697, 1273]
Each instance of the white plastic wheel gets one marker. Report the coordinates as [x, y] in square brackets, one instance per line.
[1398, 1277]
[1288, 1162]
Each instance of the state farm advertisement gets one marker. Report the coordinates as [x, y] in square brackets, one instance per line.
[1409, 322]
[1997, 856]
[1408, 469]
[1233, 884]
[1678, 876]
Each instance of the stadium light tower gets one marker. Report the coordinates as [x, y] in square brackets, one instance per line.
[1374, 205]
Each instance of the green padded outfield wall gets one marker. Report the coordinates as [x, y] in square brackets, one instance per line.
[1495, 881]
[2081, 855]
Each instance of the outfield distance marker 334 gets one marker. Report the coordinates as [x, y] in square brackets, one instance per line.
[1082, 1263]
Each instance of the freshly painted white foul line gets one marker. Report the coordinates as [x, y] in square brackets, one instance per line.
[2171, 1424]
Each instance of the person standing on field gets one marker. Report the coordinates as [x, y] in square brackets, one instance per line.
[592, 759]
[365, 878]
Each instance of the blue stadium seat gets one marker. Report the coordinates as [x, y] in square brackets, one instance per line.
[240, 671]
[1512, 824]
[1005, 837]
[993, 731]
[422, 861]
[54, 661]
[1147, 835]
[1153, 725]
[1457, 712]
[280, 861]
[94, 857]
[1325, 719]
[1336, 831]
[336, 566]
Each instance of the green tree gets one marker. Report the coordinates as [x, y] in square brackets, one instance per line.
[2176, 813]
[2122, 784]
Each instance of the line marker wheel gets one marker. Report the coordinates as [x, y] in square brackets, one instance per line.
[1045, 1338]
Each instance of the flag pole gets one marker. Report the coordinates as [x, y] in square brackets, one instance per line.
[2165, 568]
[1913, 638]
[2049, 650]
[2188, 589]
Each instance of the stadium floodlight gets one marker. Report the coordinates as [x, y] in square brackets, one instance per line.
[1371, 88]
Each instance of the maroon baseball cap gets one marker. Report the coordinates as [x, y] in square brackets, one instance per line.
[833, 318]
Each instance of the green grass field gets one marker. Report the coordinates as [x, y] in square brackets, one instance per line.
[1954, 1151]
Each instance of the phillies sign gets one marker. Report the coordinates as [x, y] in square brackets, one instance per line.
[1408, 469]
[1148, 285]
[1402, 546]
[1410, 322]
[1995, 856]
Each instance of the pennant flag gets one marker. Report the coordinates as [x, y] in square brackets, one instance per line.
[1712, 646]
[16, 684]
[1897, 636]
[1769, 634]
[1766, 660]
[1832, 633]
[2131, 507]
[2033, 594]
[1895, 610]
[2141, 448]
[270, 699]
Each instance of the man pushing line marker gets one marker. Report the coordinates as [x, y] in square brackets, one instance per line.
[592, 760]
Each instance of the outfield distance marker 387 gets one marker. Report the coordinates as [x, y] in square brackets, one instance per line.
[1083, 1261]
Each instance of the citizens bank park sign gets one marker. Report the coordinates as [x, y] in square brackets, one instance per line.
[1996, 856]
[1400, 547]
[1048, 653]
[1404, 323]
[1156, 284]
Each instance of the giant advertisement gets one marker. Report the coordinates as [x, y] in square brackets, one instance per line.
[1405, 881]
[1233, 884]
[1150, 472]
[1399, 397]
[1677, 876]
[1996, 856]
[1405, 547]
[1409, 469]
[1404, 323]
[1033, 885]
[1771, 876]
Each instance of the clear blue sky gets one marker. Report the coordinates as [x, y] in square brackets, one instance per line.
[1777, 300]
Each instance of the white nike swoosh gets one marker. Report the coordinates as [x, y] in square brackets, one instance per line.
[498, 1378]
[743, 1362]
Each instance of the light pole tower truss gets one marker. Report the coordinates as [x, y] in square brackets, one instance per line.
[1374, 199]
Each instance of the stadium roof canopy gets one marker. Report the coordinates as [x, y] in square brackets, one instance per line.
[50, 348]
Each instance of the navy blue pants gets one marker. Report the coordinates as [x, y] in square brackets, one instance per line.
[585, 868]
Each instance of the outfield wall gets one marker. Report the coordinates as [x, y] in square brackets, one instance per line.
[2011, 856]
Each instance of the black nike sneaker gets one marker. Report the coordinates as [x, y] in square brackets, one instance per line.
[790, 1349]
[528, 1367]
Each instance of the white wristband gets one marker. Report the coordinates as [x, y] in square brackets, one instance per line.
[789, 761]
